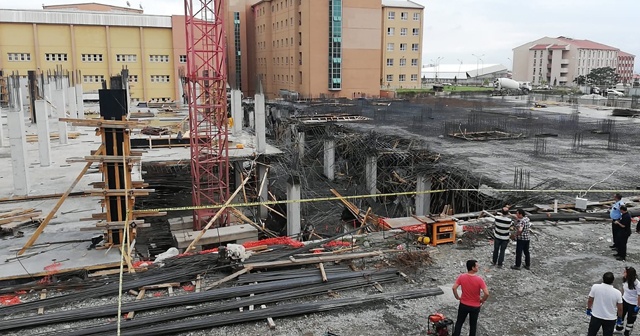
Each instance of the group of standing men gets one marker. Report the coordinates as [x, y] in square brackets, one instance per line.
[502, 232]
[620, 227]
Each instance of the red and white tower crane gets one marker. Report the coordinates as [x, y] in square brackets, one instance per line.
[206, 77]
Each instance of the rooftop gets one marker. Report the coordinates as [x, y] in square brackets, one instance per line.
[586, 44]
[401, 4]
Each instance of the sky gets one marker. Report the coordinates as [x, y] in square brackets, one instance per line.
[457, 29]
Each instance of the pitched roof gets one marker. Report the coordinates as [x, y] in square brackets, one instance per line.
[401, 4]
[586, 44]
[622, 53]
[539, 47]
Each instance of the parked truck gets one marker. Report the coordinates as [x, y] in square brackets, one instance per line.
[507, 86]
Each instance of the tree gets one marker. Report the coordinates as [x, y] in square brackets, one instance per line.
[606, 77]
[580, 80]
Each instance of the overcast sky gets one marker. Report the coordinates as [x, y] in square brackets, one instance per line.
[456, 29]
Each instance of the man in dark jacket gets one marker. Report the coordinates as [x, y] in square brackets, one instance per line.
[623, 232]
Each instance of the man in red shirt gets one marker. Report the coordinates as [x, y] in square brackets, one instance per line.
[470, 300]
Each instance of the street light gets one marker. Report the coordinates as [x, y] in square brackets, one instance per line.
[459, 66]
[437, 63]
[478, 58]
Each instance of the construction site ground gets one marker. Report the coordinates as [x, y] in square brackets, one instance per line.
[567, 258]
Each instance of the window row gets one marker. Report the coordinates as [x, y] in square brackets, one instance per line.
[55, 57]
[403, 16]
[91, 57]
[403, 31]
[93, 78]
[19, 57]
[159, 58]
[159, 78]
[403, 46]
[403, 78]
[129, 58]
[403, 62]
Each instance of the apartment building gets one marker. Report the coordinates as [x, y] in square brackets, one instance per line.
[558, 61]
[625, 67]
[401, 44]
[98, 41]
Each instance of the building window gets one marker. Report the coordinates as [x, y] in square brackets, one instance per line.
[416, 16]
[129, 58]
[416, 31]
[391, 15]
[133, 78]
[391, 31]
[389, 46]
[92, 78]
[55, 57]
[403, 46]
[404, 16]
[403, 31]
[389, 78]
[414, 78]
[414, 62]
[159, 58]
[389, 61]
[414, 47]
[335, 45]
[402, 78]
[403, 62]
[183, 58]
[159, 78]
[91, 57]
[19, 57]
[238, 51]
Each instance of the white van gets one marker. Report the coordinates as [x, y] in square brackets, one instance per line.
[614, 93]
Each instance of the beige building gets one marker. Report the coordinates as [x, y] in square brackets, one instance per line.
[558, 61]
[401, 44]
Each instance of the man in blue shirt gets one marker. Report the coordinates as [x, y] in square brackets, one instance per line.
[615, 215]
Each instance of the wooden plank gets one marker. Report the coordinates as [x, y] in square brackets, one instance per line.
[198, 283]
[105, 123]
[270, 322]
[140, 296]
[322, 272]
[18, 218]
[16, 212]
[229, 277]
[218, 214]
[313, 260]
[66, 270]
[186, 238]
[162, 286]
[111, 158]
[38, 197]
[43, 295]
[55, 209]
[120, 192]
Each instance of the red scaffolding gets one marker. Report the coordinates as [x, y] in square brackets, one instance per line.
[207, 98]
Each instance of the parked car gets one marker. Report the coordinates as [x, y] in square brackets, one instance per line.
[614, 93]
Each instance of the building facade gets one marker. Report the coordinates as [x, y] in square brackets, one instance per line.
[558, 61]
[626, 63]
[401, 44]
[97, 41]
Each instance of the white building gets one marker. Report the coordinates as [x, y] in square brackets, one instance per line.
[463, 73]
[558, 61]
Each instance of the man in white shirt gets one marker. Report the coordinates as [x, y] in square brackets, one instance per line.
[604, 305]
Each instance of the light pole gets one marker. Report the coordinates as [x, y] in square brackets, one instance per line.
[437, 63]
[478, 58]
[459, 66]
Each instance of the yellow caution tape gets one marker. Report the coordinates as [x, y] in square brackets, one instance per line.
[335, 198]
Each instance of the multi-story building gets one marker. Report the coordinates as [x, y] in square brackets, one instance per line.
[625, 67]
[293, 47]
[401, 44]
[98, 41]
[558, 61]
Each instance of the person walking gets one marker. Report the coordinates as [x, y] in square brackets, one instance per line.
[502, 224]
[615, 215]
[622, 233]
[471, 300]
[630, 296]
[523, 228]
[604, 304]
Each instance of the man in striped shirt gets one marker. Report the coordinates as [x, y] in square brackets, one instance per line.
[501, 228]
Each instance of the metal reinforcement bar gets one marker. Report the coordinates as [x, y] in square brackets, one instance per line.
[189, 299]
[162, 275]
[288, 274]
[278, 296]
[277, 311]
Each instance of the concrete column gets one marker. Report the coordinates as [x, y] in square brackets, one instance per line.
[2, 141]
[44, 142]
[371, 175]
[236, 111]
[18, 143]
[261, 137]
[59, 102]
[71, 104]
[301, 145]
[252, 120]
[293, 208]
[329, 158]
[264, 195]
[79, 101]
[423, 200]
[48, 97]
